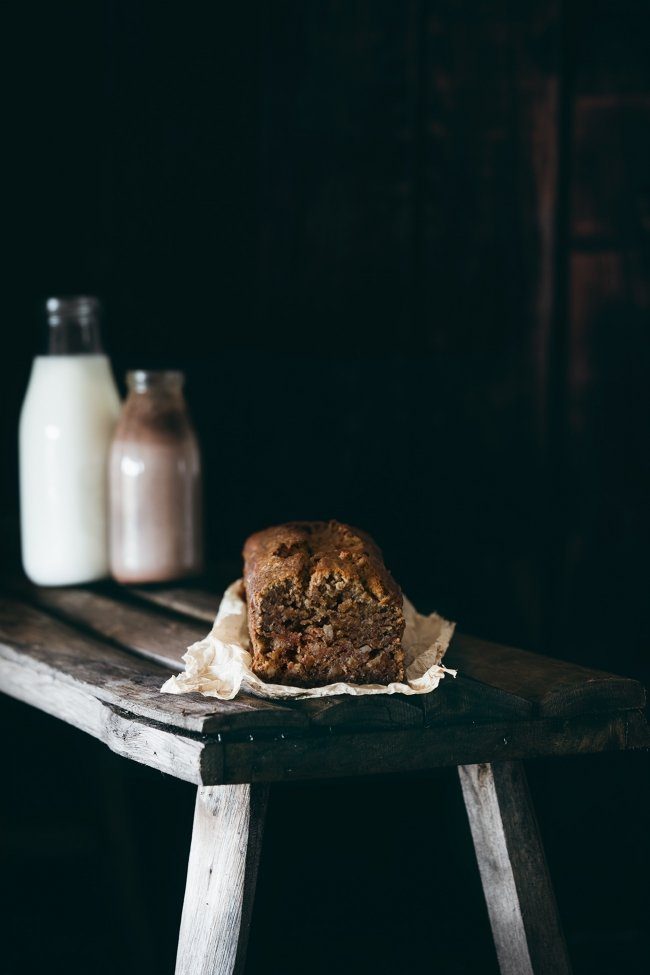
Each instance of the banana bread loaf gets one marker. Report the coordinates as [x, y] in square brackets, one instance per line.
[322, 607]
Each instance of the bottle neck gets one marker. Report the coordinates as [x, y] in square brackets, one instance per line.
[73, 326]
[155, 405]
[156, 383]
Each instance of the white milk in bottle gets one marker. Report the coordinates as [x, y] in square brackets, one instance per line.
[66, 425]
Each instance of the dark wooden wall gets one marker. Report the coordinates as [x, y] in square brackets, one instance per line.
[401, 251]
[606, 407]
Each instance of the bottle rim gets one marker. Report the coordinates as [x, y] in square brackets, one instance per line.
[143, 380]
[80, 308]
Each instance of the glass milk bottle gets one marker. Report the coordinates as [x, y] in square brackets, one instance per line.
[155, 483]
[66, 425]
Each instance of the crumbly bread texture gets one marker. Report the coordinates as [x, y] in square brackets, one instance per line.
[322, 606]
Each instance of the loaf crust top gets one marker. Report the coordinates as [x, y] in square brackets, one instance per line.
[312, 549]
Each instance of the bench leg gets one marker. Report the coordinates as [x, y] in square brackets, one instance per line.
[520, 901]
[221, 875]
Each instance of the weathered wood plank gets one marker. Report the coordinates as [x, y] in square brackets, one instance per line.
[454, 700]
[162, 638]
[413, 749]
[69, 676]
[369, 712]
[494, 682]
[259, 797]
[137, 628]
[464, 699]
[342, 711]
[460, 699]
[44, 644]
[516, 883]
[553, 687]
[221, 875]
[197, 603]
[504, 682]
[457, 699]
[165, 749]
[321, 756]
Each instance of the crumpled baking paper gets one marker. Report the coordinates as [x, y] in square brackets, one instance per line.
[221, 664]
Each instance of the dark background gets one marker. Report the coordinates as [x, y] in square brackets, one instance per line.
[401, 251]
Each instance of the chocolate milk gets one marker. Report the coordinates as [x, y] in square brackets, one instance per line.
[155, 484]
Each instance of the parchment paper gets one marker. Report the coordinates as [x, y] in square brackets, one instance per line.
[220, 665]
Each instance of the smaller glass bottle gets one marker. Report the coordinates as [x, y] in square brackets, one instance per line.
[155, 483]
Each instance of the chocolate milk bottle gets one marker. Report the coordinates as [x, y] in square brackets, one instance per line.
[155, 484]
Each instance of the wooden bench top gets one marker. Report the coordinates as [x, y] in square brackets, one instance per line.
[96, 657]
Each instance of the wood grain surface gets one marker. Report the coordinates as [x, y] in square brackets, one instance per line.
[157, 636]
[551, 687]
[200, 604]
[347, 753]
[160, 747]
[44, 644]
[87, 660]
[516, 884]
[221, 874]
[494, 681]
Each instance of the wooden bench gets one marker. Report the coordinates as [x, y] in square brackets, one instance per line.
[96, 658]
